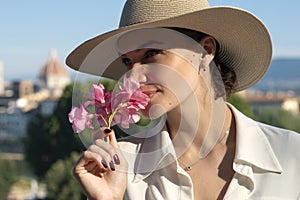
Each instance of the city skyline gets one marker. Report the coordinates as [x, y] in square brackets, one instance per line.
[30, 29]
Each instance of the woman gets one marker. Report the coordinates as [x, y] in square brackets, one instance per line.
[236, 157]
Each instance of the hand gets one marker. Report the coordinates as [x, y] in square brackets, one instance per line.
[102, 169]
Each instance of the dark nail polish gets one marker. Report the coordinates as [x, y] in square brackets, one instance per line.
[104, 163]
[107, 131]
[112, 166]
[116, 159]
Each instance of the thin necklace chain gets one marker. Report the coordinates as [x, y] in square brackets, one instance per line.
[190, 167]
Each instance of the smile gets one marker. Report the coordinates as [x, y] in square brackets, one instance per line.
[149, 90]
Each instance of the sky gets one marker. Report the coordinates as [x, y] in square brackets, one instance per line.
[29, 29]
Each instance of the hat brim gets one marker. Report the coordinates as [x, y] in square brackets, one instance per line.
[245, 43]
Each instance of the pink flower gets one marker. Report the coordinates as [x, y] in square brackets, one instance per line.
[128, 101]
[136, 97]
[129, 85]
[111, 108]
[80, 119]
[139, 100]
[127, 115]
[96, 94]
[103, 111]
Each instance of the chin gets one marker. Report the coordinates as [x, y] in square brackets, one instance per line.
[155, 110]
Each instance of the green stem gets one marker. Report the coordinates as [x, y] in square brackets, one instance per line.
[111, 117]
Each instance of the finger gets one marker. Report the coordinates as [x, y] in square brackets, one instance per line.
[79, 164]
[92, 157]
[105, 154]
[112, 136]
[84, 165]
[108, 152]
[94, 168]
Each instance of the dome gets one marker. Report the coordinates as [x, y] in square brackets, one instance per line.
[53, 67]
[53, 76]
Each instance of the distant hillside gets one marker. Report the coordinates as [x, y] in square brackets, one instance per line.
[283, 74]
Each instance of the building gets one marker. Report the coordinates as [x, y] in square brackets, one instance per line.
[21, 99]
[54, 76]
[19, 89]
[271, 100]
[13, 124]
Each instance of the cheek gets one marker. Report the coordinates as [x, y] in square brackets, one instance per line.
[188, 86]
[190, 76]
[179, 81]
[187, 72]
[160, 104]
[192, 81]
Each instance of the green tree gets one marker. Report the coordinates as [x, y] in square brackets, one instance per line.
[7, 177]
[279, 118]
[241, 105]
[269, 116]
[61, 185]
[50, 138]
[290, 121]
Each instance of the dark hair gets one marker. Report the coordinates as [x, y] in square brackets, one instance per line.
[228, 75]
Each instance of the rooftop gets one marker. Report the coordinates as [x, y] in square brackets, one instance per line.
[53, 67]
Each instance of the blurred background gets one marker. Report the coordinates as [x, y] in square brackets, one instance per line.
[37, 144]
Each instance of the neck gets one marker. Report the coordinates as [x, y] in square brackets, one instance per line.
[188, 128]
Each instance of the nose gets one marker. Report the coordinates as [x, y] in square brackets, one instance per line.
[138, 73]
[136, 64]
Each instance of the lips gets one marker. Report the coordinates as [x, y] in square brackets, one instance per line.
[149, 90]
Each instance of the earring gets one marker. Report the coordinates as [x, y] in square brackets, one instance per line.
[201, 67]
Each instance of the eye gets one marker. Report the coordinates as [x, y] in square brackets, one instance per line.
[127, 62]
[152, 52]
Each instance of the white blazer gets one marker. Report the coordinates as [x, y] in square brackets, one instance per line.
[266, 165]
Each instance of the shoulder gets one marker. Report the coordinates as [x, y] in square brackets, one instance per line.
[280, 134]
[284, 142]
[279, 138]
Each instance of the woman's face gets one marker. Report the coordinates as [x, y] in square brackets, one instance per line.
[166, 78]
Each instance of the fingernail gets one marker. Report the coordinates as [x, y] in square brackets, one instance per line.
[107, 131]
[116, 159]
[104, 163]
[112, 166]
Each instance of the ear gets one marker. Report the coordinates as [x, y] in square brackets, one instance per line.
[209, 44]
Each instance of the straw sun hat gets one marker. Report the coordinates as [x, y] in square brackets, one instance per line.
[245, 44]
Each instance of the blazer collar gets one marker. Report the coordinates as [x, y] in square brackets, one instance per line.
[154, 153]
[253, 147]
